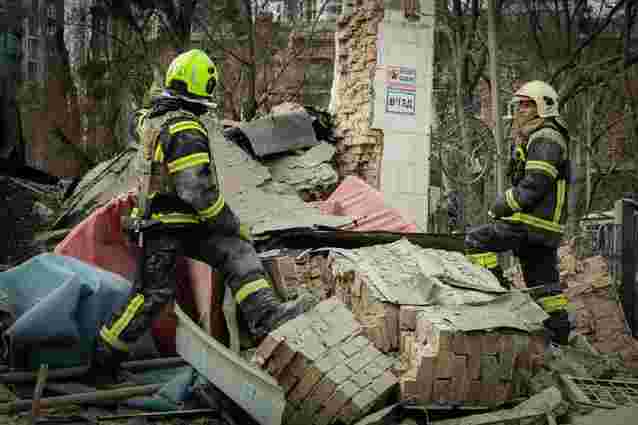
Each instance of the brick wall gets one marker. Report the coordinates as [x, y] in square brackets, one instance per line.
[359, 148]
[281, 78]
[61, 112]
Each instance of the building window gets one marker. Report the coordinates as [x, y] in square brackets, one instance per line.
[32, 71]
[51, 19]
[51, 13]
[33, 48]
[32, 23]
[51, 27]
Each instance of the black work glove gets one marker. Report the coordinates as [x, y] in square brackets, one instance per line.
[500, 208]
[558, 327]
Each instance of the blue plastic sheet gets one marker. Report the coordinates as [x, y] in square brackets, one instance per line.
[60, 298]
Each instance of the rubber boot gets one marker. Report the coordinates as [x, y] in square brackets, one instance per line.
[106, 364]
[558, 327]
[263, 312]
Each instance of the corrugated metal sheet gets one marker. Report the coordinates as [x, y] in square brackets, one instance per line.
[357, 199]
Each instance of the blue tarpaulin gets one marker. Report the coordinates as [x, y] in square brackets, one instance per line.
[59, 303]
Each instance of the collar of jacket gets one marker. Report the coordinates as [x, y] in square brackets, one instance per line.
[163, 104]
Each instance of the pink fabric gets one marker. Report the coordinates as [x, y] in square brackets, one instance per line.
[357, 199]
[99, 239]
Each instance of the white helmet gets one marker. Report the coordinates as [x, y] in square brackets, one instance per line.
[542, 94]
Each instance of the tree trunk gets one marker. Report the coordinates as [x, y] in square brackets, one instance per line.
[249, 105]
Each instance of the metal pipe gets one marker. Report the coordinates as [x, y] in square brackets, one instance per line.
[85, 398]
[73, 372]
[170, 413]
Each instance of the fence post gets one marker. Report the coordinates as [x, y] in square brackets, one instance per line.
[624, 212]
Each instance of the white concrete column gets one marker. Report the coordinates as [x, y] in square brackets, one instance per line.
[402, 106]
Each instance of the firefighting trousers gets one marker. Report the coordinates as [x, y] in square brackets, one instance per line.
[218, 245]
[539, 263]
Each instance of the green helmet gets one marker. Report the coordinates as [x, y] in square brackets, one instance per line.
[192, 74]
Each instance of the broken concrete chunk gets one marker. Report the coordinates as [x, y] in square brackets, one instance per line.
[280, 133]
[305, 174]
[328, 369]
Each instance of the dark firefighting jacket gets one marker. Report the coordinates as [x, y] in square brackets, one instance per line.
[540, 176]
[184, 185]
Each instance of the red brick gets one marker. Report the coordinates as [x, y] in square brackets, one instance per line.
[445, 341]
[503, 392]
[491, 343]
[507, 343]
[280, 358]
[474, 357]
[523, 360]
[287, 382]
[348, 413]
[305, 385]
[332, 406]
[322, 391]
[461, 344]
[297, 367]
[460, 379]
[410, 389]
[442, 390]
[474, 394]
[538, 361]
[537, 344]
[488, 393]
[444, 365]
[425, 377]
[407, 317]
[265, 349]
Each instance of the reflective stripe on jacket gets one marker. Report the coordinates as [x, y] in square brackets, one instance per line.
[184, 182]
[539, 199]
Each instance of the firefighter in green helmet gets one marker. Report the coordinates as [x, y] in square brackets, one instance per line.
[530, 216]
[184, 213]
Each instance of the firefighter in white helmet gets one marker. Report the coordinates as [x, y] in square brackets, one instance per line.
[530, 216]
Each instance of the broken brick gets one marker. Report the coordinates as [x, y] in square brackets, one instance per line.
[327, 383]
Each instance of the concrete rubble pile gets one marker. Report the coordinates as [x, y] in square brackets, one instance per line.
[400, 330]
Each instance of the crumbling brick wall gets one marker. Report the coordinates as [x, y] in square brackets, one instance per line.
[359, 148]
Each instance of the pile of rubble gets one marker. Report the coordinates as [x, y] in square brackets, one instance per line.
[405, 329]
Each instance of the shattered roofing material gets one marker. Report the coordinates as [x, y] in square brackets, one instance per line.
[515, 310]
[280, 133]
[307, 171]
[357, 199]
[406, 274]
[240, 177]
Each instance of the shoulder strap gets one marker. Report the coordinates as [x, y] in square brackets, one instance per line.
[149, 140]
